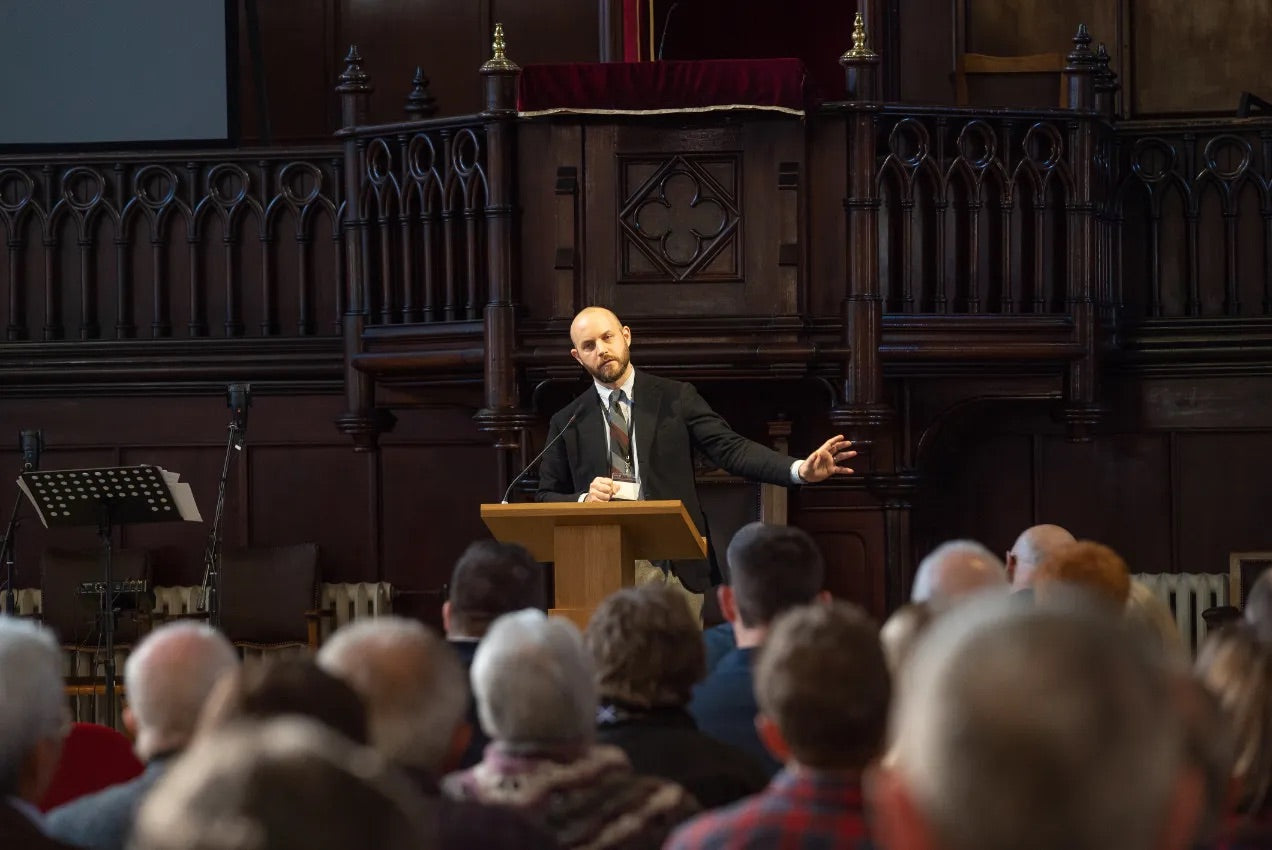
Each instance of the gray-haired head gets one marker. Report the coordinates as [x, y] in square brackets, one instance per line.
[1258, 606]
[33, 712]
[286, 784]
[1049, 728]
[534, 682]
[956, 569]
[412, 682]
[169, 677]
[1034, 545]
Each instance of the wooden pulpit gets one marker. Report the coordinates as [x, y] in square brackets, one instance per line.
[594, 545]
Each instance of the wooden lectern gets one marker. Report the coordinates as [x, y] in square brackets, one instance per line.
[594, 545]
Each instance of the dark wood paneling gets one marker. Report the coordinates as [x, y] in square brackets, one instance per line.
[1167, 500]
[927, 50]
[320, 494]
[1116, 490]
[850, 532]
[303, 41]
[1223, 497]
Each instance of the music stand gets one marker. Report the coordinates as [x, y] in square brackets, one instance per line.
[107, 497]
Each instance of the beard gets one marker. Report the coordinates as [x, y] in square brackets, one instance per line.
[612, 370]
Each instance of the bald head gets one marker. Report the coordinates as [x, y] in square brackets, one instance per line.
[1034, 545]
[955, 570]
[169, 677]
[601, 345]
[412, 683]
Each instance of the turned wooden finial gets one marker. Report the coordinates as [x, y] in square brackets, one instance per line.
[859, 51]
[500, 62]
[354, 79]
[420, 103]
[1081, 53]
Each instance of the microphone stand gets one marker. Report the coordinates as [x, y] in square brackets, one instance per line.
[212, 555]
[6, 551]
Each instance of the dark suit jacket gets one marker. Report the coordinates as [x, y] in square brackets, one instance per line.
[19, 831]
[724, 707]
[103, 821]
[671, 421]
[466, 650]
[665, 742]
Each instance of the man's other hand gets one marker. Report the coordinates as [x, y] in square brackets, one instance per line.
[824, 462]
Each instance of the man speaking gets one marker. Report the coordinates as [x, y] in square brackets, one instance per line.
[632, 436]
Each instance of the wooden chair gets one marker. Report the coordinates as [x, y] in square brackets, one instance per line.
[270, 598]
[983, 64]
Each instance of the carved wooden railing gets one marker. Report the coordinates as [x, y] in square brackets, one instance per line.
[194, 244]
[422, 212]
[974, 211]
[1193, 203]
[429, 240]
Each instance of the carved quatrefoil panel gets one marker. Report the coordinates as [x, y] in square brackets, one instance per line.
[680, 219]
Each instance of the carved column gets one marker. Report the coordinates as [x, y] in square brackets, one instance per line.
[1081, 404]
[862, 410]
[361, 420]
[502, 415]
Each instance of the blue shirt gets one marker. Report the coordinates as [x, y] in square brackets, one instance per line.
[724, 707]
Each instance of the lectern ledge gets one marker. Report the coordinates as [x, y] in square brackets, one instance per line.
[594, 545]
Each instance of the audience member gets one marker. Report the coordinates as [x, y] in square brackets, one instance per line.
[536, 693]
[33, 723]
[956, 570]
[1050, 728]
[93, 757]
[416, 695]
[287, 784]
[1034, 545]
[1146, 611]
[645, 643]
[1236, 666]
[490, 579]
[901, 633]
[168, 678]
[1209, 749]
[1258, 606]
[1085, 564]
[282, 686]
[823, 690]
[772, 568]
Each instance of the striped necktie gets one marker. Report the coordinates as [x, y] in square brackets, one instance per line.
[620, 437]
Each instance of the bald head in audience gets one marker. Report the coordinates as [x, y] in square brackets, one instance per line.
[957, 569]
[1034, 545]
[168, 678]
[287, 784]
[414, 687]
[1050, 728]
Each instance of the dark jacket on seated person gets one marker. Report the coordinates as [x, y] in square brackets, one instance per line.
[103, 821]
[666, 742]
[724, 707]
[20, 828]
[466, 649]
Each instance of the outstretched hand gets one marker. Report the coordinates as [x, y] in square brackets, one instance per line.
[826, 460]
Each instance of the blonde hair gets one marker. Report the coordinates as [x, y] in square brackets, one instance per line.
[1237, 668]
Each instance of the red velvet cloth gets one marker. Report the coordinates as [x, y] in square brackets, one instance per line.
[94, 757]
[637, 86]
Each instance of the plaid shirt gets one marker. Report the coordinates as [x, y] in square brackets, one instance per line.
[801, 808]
